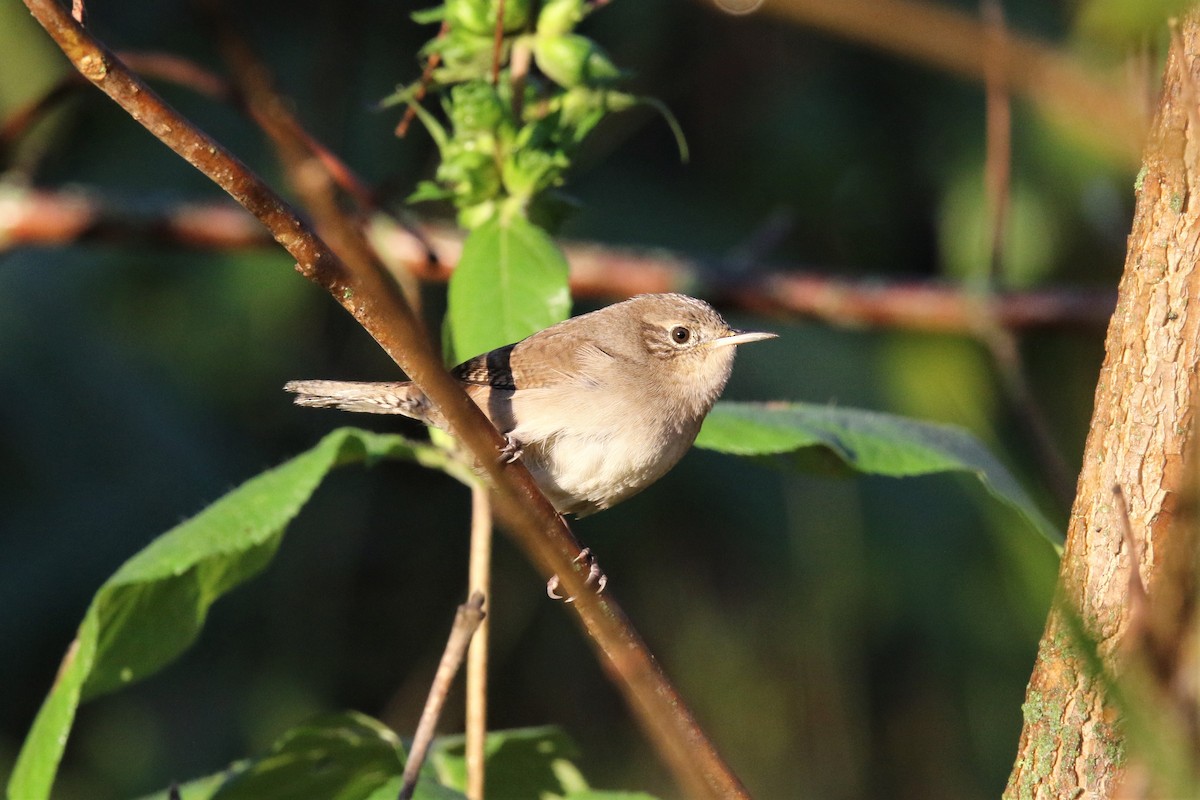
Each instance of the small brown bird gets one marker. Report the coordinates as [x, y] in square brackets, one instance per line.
[599, 406]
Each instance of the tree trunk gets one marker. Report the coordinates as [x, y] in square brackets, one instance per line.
[1074, 741]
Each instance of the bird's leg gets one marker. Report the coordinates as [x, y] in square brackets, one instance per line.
[511, 451]
[595, 577]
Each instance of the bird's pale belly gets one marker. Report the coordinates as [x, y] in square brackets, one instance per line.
[589, 471]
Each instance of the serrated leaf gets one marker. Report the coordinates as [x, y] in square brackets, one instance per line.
[511, 281]
[864, 441]
[153, 608]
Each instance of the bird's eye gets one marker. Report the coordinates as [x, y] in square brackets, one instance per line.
[680, 334]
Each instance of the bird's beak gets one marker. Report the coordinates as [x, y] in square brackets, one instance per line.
[742, 337]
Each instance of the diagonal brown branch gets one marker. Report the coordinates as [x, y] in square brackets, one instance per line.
[351, 276]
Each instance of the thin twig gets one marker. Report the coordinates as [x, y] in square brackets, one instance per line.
[468, 617]
[1000, 341]
[998, 139]
[410, 112]
[163, 66]
[354, 278]
[312, 169]
[480, 583]
[22, 119]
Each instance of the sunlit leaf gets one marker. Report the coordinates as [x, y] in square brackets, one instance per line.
[511, 281]
[813, 436]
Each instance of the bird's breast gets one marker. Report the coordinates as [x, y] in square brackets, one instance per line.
[588, 451]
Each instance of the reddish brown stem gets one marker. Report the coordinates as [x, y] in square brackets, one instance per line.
[998, 160]
[426, 76]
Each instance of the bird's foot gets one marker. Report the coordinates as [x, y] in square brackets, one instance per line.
[595, 576]
[511, 451]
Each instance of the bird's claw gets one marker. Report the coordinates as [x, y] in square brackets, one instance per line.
[595, 577]
[511, 451]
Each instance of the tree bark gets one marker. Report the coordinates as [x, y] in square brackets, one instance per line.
[1141, 442]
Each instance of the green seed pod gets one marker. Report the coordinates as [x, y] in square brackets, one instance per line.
[574, 60]
[558, 17]
[479, 16]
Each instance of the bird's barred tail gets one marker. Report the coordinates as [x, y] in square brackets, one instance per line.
[362, 397]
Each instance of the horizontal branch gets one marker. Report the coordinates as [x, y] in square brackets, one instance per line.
[60, 218]
[48, 218]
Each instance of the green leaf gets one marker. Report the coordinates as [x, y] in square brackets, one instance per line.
[350, 756]
[340, 757]
[864, 441]
[511, 281]
[347, 756]
[153, 608]
[521, 763]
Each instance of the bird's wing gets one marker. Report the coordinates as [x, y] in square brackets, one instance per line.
[548, 358]
[489, 369]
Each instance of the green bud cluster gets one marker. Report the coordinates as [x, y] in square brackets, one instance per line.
[505, 141]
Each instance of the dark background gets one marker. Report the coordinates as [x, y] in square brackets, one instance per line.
[838, 638]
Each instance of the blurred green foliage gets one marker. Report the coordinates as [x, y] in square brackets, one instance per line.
[839, 638]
